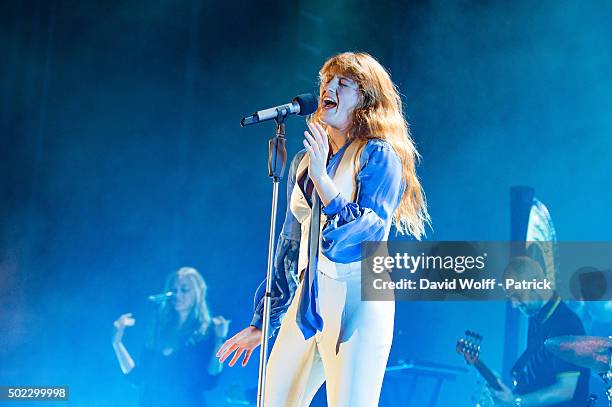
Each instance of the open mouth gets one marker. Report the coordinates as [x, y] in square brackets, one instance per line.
[329, 103]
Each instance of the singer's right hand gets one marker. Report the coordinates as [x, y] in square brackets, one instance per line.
[244, 341]
[121, 323]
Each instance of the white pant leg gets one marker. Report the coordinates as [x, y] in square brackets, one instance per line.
[355, 342]
[351, 352]
[295, 370]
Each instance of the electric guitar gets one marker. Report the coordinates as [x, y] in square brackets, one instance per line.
[469, 347]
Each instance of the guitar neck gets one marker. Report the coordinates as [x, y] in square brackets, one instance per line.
[487, 374]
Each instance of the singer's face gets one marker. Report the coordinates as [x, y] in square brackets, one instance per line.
[185, 296]
[339, 97]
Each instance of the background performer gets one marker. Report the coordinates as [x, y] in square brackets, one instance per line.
[179, 362]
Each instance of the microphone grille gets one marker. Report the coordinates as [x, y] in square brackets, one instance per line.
[308, 103]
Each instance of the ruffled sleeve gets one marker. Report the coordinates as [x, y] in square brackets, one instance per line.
[284, 284]
[380, 186]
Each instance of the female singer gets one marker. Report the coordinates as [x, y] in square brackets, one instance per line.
[359, 161]
[179, 362]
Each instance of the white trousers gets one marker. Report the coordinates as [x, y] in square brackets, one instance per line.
[350, 354]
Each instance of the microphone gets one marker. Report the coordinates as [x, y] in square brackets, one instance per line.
[161, 297]
[301, 105]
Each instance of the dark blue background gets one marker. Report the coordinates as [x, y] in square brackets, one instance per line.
[122, 159]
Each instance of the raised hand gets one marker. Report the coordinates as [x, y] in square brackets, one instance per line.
[317, 146]
[121, 323]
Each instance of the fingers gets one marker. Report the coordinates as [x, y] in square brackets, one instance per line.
[316, 134]
[312, 143]
[124, 320]
[228, 352]
[122, 317]
[321, 135]
[225, 346]
[247, 356]
[324, 138]
[244, 342]
[221, 349]
[311, 153]
[237, 355]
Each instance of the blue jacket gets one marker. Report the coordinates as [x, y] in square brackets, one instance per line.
[380, 186]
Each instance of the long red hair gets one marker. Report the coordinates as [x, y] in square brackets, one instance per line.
[379, 115]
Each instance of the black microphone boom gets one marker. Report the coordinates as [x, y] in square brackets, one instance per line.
[301, 105]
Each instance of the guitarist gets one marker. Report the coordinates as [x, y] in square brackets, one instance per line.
[542, 379]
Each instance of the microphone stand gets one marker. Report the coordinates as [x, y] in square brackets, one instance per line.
[277, 159]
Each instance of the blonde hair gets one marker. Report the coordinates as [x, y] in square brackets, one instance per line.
[198, 320]
[379, 115]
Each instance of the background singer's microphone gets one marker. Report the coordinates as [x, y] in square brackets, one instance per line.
[301, 105]
[161, 297]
